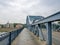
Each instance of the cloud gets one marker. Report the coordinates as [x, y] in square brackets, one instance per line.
[17, 10]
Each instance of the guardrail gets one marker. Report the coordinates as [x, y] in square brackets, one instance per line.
[36, 26]
[7, 38]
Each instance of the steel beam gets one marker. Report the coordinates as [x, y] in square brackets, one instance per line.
[41, 37]
[49, 34]
[52, 18]
[37, 33]
[32, 27]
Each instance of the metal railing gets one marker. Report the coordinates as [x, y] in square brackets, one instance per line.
[8, 37]
[36, 27]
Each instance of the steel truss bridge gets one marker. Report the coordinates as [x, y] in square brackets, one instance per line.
[34, 25]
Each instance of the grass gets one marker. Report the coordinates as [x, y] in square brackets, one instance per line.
[7, 29]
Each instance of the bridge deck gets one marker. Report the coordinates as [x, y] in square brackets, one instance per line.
[26, 38]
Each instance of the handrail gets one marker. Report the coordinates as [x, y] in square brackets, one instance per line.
[10, 36]
[51, 18]
[48, 21]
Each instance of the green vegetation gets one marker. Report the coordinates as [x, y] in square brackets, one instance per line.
[7, 29]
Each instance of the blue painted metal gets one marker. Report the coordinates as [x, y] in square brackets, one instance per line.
[9, 37]
[34, 29]
[40, 32]
[37, 33]
[48, 20]
[49, 35]
[52, 18]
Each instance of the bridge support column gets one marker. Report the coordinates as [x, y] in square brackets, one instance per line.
[41, 37]
[34, 29]
[49, 35]
[28, 26]
[37, 33]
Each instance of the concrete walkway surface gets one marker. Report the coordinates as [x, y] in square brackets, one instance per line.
[26, 38]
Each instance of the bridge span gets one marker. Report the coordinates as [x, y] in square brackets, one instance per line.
[38, 31]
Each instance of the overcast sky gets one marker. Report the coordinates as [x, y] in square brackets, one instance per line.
[17, 10]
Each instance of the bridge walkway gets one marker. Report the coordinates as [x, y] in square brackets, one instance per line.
[27, 38]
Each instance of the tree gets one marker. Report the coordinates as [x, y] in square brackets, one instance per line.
[15, 25]
[58, 22]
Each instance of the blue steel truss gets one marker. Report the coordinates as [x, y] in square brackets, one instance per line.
[34, 25]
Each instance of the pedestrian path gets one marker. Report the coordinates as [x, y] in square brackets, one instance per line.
[26, 38]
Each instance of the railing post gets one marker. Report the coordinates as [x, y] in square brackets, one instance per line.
[17, 32]
[9, 38]
[49, 34]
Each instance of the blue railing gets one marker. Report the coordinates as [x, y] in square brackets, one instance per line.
[37, 29]
[8, 37]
